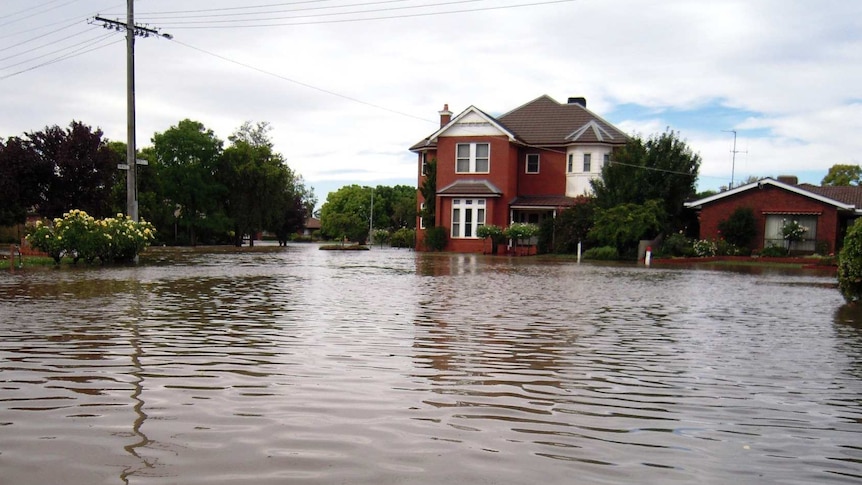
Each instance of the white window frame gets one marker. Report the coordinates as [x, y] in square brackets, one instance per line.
[571, 165]
[588, 162]
[527, 163]
[421, 219]
[424, 169]
[471, 158]
[467, 216]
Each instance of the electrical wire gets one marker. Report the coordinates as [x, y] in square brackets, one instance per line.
[58, 59]
[183, 23]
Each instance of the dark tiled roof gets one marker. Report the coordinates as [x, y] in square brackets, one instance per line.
[544, 121]
[470, 187]
[544, 201]
[845, 194]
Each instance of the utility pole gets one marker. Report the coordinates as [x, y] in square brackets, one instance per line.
[131, 165]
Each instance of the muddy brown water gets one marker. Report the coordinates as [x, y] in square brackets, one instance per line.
[299, 366]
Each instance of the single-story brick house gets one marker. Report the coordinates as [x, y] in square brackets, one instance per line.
[825, 211]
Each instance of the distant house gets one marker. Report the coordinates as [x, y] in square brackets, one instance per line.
[311, 224]
[523, 166]
[825, 211]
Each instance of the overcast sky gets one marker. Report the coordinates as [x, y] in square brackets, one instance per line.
[349, 85]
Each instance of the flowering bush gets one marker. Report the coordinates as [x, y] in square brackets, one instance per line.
[80, 236]
[793, 231]
[704, 248]
[42, 237]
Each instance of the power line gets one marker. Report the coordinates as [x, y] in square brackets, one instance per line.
[35, 13]
[215, 24]
[58, 59]
[294, 81]
[51, 43]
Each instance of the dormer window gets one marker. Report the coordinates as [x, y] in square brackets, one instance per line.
[532, 163]
[472, 158]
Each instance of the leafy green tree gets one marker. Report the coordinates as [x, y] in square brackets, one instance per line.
[850, 264]
[188, 154]
[661, 168]
[346, 213]
[624, 225]
[843, 174]
[428, 189]
[23, 175]
[571, 226]
[739, 228]
[394, 207]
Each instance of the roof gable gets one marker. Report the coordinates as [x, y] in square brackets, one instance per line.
[768, 181]
[472, 122]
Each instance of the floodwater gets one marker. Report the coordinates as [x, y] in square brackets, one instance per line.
[298, 366]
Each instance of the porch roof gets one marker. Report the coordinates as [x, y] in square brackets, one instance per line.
[463, 188]
[542, 201]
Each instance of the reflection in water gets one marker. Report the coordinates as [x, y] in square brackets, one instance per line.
[303, 366]
[137, 374]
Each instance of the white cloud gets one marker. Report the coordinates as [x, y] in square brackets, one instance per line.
[788, 73]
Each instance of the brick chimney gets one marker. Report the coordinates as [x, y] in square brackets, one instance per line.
[445, 116]
[789, 179]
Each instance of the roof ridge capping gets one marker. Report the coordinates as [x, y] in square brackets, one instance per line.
[598, 130]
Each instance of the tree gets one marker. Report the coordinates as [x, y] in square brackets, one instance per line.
[850, 264]
[624, 225]
[394, 207]
[843, 174]
[661, 168]
[562, 234]
[428, 189]
[188, 154]
[346, 213]
[739, 228]
[83, 169]
[23, 176]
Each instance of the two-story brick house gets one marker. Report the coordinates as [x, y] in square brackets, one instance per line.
[523, 166]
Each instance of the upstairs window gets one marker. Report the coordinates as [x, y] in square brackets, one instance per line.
[532, 163]
[424, 164]
[571, 166]
[472, 158]
[588, 162]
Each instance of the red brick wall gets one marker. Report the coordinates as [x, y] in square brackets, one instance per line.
[765, 200]
[551, 179]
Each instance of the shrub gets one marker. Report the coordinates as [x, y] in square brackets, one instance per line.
[435, 238]
[606, 253]
[704, 248]
[114, 239]
[521, 230]
[773, 251]
[850, 264]
[403, 238]
[677, 244]
[740, 228]
[495, 233]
